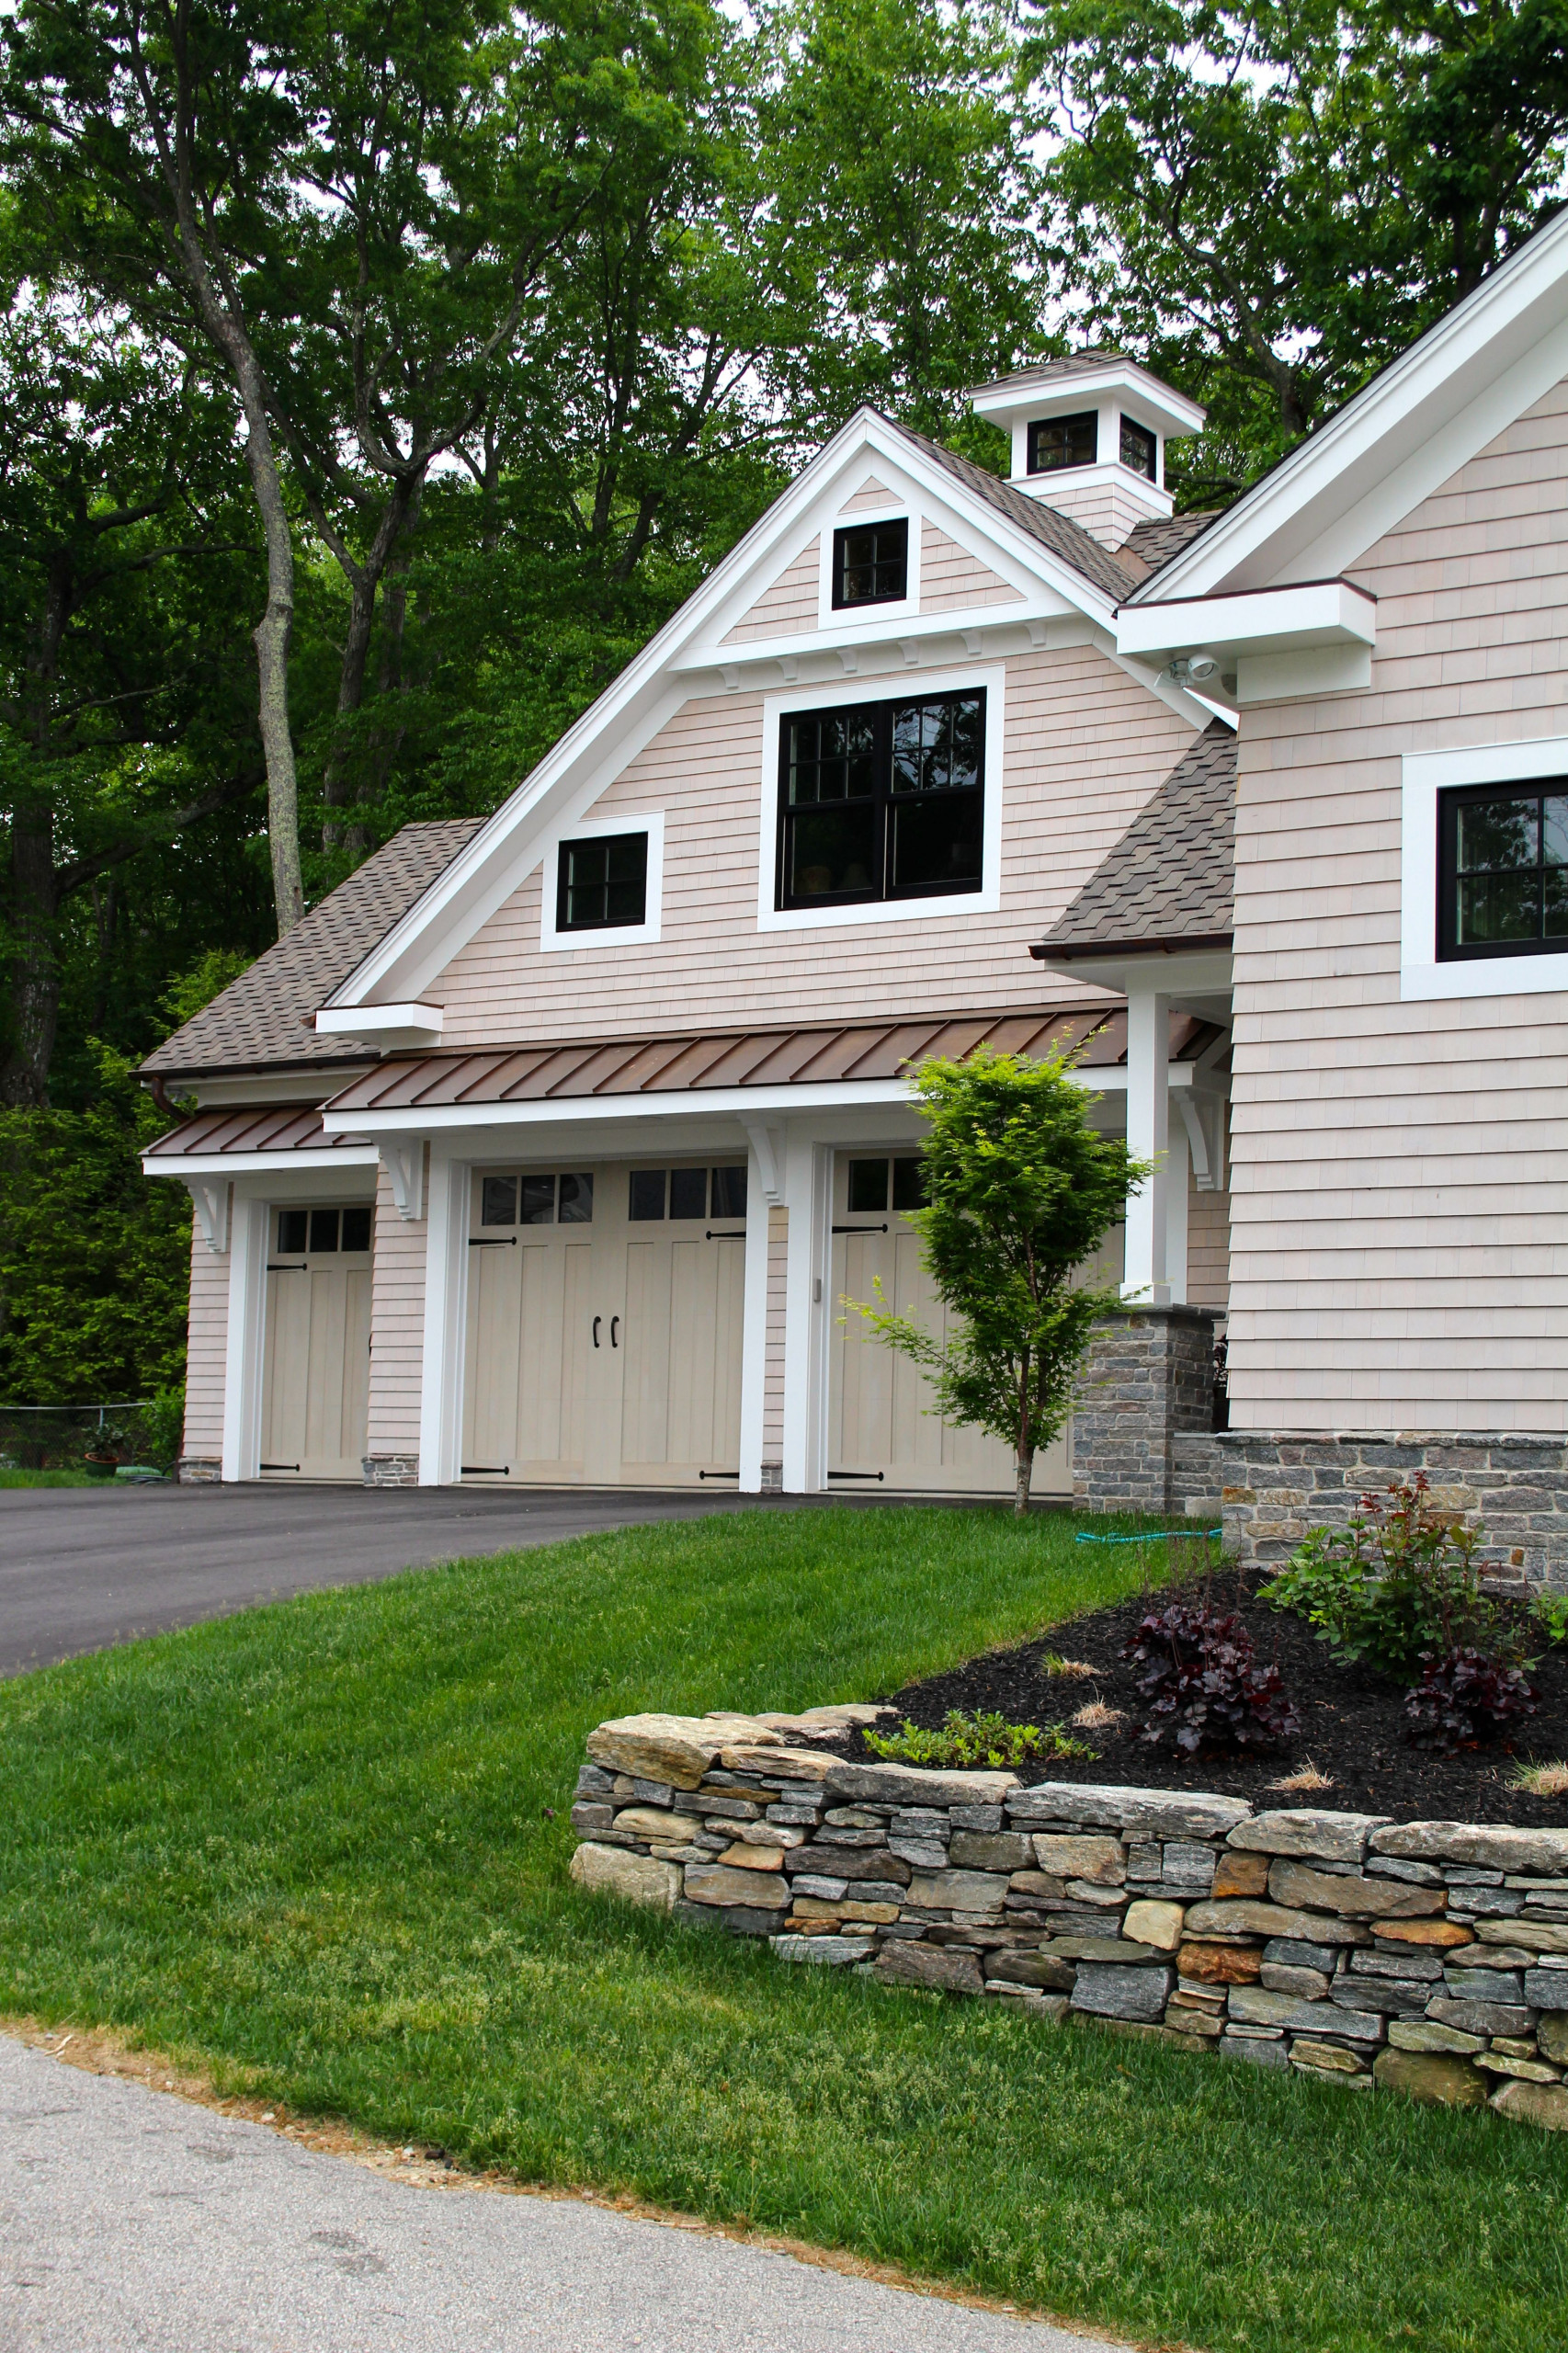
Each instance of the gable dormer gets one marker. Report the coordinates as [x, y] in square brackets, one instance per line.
[1089, 435]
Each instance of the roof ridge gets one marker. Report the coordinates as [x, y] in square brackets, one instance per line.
[1064, 536]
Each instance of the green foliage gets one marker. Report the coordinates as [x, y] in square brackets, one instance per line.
[188, 992]
[320, 1851]
[1400, 1579]
[93, 1257]
[985, 1738]
[1020, 1191]
[1549, 1614]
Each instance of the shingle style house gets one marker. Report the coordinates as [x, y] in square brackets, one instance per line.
[552, 1148]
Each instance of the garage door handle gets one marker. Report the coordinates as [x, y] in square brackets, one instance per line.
[859, 1229]
[615, 1331]
[597, 1321]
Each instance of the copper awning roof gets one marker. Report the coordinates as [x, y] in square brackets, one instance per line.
[288, 1127]
[699, 1063]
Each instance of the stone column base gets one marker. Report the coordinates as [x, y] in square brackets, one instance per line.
[772, 1478]
[390, 1470]
[1141, 1420]
[199, 1470]
[1280, 1484]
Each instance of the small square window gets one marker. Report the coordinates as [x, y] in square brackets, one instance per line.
[323, 1230]
[909, 1184]
[293, 1231]
[688, 1192]
[1138, 451]
[357, 1229]
[867, 1187]
[730, 1191]
[602, 884]
[1058, 442]
[870, 564]
[498, 1201]
[647, 1198]
[536, 1206]
[578, 1199]
[1503, 871]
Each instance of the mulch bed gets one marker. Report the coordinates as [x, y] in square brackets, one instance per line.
[1352, 1724]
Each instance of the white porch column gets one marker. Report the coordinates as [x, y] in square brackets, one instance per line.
[808, 1193]
[446, 1303]
[248, 1226]
[1144, 1276]
[1177, 1182]
[765, 1192]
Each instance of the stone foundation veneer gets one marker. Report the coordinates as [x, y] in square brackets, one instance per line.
[197, 1471]
[1426, 1956]
[1142, 1415]
[1277, 1486]
[390, 1470]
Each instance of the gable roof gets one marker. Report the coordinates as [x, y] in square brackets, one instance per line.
[263, 1017]
[1169, 880]
[1060, 533]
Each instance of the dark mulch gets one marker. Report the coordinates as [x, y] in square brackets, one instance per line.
[1352, 1724]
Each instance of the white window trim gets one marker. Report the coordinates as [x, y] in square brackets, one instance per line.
[987, 900]
[1421, 976]
[839, 617]
[629, 935]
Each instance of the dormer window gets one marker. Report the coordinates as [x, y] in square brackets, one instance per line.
[870, 564]
[1058, 442]
[881, 800]
[1138, 453]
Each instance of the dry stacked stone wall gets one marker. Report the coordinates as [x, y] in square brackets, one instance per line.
[1429, 1957]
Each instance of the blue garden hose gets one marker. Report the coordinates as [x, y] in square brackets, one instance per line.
[1152, 1537]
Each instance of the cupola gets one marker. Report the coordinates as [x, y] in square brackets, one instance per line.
[1089, 435]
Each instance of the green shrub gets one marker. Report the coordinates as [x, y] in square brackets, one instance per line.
[984, 1739]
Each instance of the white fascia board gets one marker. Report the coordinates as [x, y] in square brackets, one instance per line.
[1173, 972]
[1426, 414]
[394, 1025]
[1016, 396]
[313, 1157]
[1262, 621]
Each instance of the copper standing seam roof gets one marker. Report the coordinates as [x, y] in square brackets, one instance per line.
[288, 1127]
[1169, 883]
[262, 1019]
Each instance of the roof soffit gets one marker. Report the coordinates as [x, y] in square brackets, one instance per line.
[656, 683]
[1421, 419]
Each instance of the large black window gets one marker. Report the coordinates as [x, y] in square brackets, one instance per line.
[1056, 442]
[602, 883]
[1502, 871]
[1138, 449]
[881, 800]
[870, 564]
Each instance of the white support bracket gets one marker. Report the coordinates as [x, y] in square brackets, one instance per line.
[1203, 1116]
[768, 1145]
[210, 1195]
[403, 1157]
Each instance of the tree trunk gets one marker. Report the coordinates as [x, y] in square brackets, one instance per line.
[34, 962]
[1025, 1475]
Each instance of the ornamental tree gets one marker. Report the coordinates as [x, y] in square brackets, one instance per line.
[1020, 1191]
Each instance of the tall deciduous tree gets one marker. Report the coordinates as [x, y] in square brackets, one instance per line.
[1020, 1192]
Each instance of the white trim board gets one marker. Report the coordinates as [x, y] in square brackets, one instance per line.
[1426, 774]
[612, 936]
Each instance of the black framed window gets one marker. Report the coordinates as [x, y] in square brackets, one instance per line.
[870, 564]
[1057, 442]
[566, 1199]
[692, 1193]
[1138, 449]
[881, 800]
[1502, 871]
[602, 883]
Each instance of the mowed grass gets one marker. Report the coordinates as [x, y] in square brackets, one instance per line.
[322, 1847]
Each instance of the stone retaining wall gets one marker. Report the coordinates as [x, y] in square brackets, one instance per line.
[1428, 1956]
[1277, 1486]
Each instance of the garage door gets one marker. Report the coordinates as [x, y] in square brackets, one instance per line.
[605, 1325]
[315, 1384]
[881, 1432]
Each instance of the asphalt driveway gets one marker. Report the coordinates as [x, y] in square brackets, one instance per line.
[84, 1567]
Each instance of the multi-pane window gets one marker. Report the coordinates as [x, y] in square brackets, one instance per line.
[1138, 451]
[554, 1200]
[881, 800]
[1056, 442]
[870, 1190]
[655, 1193]
[870, 564]
[1504, 871]
[322, 1232]
[602, 883]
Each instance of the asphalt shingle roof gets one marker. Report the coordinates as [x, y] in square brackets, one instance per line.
[260, 1020]
[1170, 878]
[1162, 536]
[1060, 533]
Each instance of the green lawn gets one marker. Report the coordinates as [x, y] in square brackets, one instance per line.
[51, 1479]
[322, 1847]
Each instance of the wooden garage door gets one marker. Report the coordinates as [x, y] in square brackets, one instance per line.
[604, 1323]
[315, 1383]
[881, 1432]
